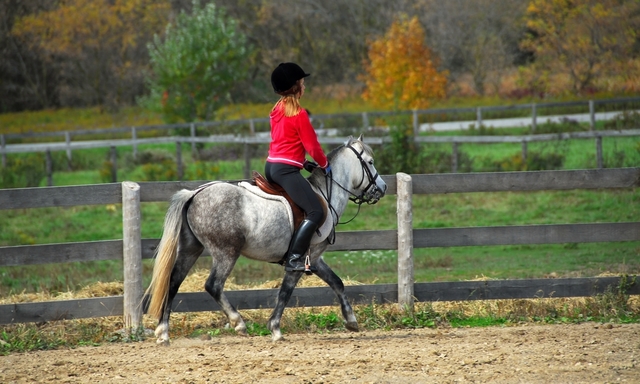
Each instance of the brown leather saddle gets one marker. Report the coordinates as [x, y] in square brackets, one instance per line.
[274, 189]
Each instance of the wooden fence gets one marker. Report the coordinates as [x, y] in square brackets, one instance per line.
[132, 248]
[249, 135]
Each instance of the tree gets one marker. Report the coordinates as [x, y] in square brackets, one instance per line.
[476, 37]
[582, 38]
[200, 59]
[94, 46]
[401, 71]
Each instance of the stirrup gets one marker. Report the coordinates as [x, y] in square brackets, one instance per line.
[307, 265]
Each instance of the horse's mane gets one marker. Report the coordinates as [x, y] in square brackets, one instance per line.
[350, 140]
[315, 178]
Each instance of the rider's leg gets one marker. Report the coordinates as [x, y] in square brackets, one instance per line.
[299, 246]
[302, 194]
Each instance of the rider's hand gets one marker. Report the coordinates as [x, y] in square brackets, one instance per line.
[309, 166]
[327, 170]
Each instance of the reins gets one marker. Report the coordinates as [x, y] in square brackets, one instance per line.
[359, 200]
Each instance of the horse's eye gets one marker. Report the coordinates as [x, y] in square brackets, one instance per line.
[371, 162]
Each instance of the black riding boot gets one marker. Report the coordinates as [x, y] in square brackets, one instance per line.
[299, 246]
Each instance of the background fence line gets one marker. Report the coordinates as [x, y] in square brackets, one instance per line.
[47, 148]
[404, 240]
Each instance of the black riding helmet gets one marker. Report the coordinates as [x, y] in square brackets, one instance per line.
[285, 76]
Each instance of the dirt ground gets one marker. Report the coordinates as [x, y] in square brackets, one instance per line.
[585, 353]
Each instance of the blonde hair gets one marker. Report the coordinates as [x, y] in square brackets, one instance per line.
[290, 101]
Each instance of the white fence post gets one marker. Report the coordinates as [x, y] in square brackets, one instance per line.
[3, 144]
[132, 256]
[67, 139]
[592, 115]
[405, 241]
[134, 137]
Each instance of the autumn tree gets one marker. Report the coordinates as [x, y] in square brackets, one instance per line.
[401, 72]
[582, 38]
[95, 45]
[475, 37]
[202, 56]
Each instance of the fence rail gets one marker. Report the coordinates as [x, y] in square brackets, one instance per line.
[402, 240]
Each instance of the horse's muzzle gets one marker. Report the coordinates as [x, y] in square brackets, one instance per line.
[376, 193]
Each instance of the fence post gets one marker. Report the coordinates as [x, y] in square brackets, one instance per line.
[134, 137]
[247, 158]
[114, 164]
[416, 126]
[454, 158]
[592, 115]
[534, 117]
[365, 121]
[179, 160]
[2, 149]
[405, 242]
[192, 127]
[599, 159]
[132, 256]
[479, 117]
[524, 151]
[49, 168]
[67, 139]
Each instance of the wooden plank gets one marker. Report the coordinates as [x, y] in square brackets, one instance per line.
[97, 194]
[365, 240]
[526, 181]
[519, 289]
[60, 310]
[526, 234]
[353, 241]
[161, 191]
[61, 253]
[324, 296]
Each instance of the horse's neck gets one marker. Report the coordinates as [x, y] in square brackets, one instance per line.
[338, 198]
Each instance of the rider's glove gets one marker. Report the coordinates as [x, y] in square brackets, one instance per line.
[309, 166]
[327, 170]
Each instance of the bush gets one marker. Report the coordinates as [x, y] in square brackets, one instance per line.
[23, 172]
[536, 161]
[626, 120]
[565, 125]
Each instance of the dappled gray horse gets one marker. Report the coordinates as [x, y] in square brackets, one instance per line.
[233, 219]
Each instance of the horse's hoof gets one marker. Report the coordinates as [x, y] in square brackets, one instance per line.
[352, 326]
[163, 342]
[277, 336]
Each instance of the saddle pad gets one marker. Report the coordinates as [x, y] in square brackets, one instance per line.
[259, 192]
[324, 230]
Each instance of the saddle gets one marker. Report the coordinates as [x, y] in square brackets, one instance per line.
[274, 189]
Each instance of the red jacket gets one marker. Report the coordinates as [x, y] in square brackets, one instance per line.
[292, 138]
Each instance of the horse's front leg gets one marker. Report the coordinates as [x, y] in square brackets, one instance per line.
[328, 276]
[289, 282]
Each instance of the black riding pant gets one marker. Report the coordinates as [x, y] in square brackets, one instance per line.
[290, 178]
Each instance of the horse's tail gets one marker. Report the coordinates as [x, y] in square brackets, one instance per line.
[166, 253]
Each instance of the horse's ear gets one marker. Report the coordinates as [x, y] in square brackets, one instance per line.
[361, 138]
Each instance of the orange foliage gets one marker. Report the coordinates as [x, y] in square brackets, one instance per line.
[584, 39]
[401, 72]
[92, 24]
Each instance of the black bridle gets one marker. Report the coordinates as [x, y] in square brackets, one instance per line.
[359, 200]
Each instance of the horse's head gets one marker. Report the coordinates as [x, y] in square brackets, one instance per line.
[367, 185]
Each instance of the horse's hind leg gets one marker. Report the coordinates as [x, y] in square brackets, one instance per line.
[189, 249]
[289, 282]
[328, 276]
[223, 263]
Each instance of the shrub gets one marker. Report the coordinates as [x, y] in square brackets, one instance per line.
[536, 161]
[23, 172]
